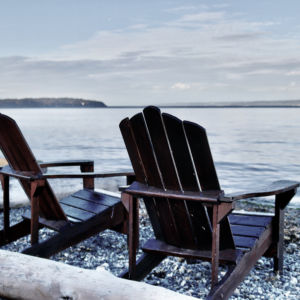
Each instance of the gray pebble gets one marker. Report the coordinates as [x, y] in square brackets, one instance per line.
[109, 250]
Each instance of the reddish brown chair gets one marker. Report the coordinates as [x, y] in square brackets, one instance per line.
[75, 217]
[191, 216]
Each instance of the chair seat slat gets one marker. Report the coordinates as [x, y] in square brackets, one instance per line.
[95, 197]
[251, 231]
[238, 219]
[157, 246]
[82, 204]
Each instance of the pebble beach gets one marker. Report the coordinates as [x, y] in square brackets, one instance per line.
[108, 250]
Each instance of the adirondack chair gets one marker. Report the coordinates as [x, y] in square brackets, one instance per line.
[191, 216]
[75, 217]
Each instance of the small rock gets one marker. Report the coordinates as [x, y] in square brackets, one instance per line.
[206, 265]
[236, 292]
[104, 266]
[294, 280]
[291, 248]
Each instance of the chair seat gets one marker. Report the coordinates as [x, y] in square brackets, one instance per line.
[82, 206]
[247, 228]
[86, 203]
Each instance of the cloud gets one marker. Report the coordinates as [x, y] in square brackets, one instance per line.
[241, 36]
[180, 9]
[181, 86]
[293, 73]
[202, 17]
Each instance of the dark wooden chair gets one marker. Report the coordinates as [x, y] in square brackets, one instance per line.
[191, 216]
[75, 217]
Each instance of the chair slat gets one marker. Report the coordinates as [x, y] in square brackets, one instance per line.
[244, 242]
[77, 213]
[181, 154]
[157, 246]
[135, 131]
[20, 158]
[251, 231]
[95, 197]
[161, 148]
[138, 167]
[200, 150]
[88, 206]
[201, 227]
[168, 171]
[238, 219]
[15, 148]
[163, 210]
[207, 175]
[133, 151]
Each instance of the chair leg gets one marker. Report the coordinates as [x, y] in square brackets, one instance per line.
[215, 248]
[16, 231]
[219, 290]
[281, 201]
[72, 234]
[235, 274]
[34, 212]
[6, 221]
[279, 237]
[144, 266]
[133, 234]
[34, 220]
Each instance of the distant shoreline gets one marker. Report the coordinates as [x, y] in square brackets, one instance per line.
[141, 107]
[212, 106]
[83, 103]
[240, 104]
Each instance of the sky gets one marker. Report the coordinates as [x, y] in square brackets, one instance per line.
[139, 52]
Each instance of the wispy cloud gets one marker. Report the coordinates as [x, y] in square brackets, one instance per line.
[202, 17]
[293, 73]
[181, 86]
[180, 9]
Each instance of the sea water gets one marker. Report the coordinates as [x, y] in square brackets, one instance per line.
[251, 146]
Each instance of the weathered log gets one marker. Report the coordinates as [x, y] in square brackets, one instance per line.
[27, 277]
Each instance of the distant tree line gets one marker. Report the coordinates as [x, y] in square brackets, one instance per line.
[49, 102]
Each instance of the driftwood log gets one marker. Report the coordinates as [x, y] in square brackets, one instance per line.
[27, 277]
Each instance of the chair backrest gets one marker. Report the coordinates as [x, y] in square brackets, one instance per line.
[20, 158]
[168, 153]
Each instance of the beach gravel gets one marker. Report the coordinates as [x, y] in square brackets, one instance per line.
[108, 250]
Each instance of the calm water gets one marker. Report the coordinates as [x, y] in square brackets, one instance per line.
[250, 146]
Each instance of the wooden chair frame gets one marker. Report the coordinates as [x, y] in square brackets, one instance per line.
[74, 218]
[224, 248]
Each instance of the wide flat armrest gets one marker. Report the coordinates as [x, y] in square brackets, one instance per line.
[87, 175]
[20, 174]
[143, 190]
[274, 188]
[66, 163]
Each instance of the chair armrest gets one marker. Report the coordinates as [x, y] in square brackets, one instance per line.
[143, 190]
[66, 163]
[30, 176]
[86, 175]
[275, 188]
